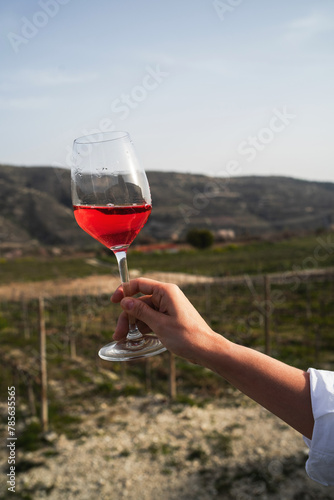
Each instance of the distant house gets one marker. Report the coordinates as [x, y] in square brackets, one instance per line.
[225, 234]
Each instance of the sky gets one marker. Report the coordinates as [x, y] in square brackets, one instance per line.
[215, 87]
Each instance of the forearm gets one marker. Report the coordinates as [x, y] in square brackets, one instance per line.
[282, 389]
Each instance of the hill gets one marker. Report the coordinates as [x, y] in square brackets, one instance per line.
[35, 206]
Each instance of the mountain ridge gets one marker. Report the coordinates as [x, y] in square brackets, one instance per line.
[35, 206]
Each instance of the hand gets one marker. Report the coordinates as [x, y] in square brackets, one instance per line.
[166, 311]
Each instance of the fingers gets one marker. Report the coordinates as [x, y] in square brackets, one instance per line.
[140, 310]
[144, 285]
[138, 285]
[122, 326]
[117, 295]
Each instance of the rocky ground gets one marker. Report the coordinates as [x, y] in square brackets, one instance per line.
[147, 448]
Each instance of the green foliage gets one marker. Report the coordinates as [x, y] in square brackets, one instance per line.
[197, 453]
[220, 443]
[31, 438]
[62, 421]
[185, 400]
[105, 388]
[3, 322]
[200, 238]
[132, 390]
[45, 268]
[162, 449]
[243, 258]
[235, 258]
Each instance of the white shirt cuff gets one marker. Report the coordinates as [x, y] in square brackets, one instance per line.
[320, 464]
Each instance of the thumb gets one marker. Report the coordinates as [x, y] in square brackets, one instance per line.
[140, 310]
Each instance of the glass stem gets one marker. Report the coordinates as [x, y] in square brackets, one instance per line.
[133, 333]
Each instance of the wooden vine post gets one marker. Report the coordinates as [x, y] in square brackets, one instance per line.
[148, 375]
[266, 312]
[43, 366]
[26, 328]
[172, 376]
[70, 321]
[208, 302]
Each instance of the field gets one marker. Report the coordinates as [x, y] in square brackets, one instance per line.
[306, 252]
[299, 316]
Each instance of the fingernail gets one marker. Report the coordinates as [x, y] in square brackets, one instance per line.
[127, 303]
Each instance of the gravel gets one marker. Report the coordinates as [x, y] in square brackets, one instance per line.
[148, 448]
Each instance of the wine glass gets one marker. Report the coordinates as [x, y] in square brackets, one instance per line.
[112, 202]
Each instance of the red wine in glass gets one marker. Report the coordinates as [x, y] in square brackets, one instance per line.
[112, 226]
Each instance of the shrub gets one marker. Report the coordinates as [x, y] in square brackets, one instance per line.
[200, 238]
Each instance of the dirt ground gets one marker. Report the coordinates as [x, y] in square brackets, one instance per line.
[145, 448]
[92, 285]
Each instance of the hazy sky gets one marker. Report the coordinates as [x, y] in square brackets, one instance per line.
[218, 87]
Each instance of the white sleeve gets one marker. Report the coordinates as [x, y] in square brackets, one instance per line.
[320, 464]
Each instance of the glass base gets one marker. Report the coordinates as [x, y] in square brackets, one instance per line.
[126, 350]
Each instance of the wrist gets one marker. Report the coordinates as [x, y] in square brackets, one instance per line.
[213, 351]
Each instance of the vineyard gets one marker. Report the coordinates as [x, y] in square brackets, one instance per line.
[289, 317]
[49, 341]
